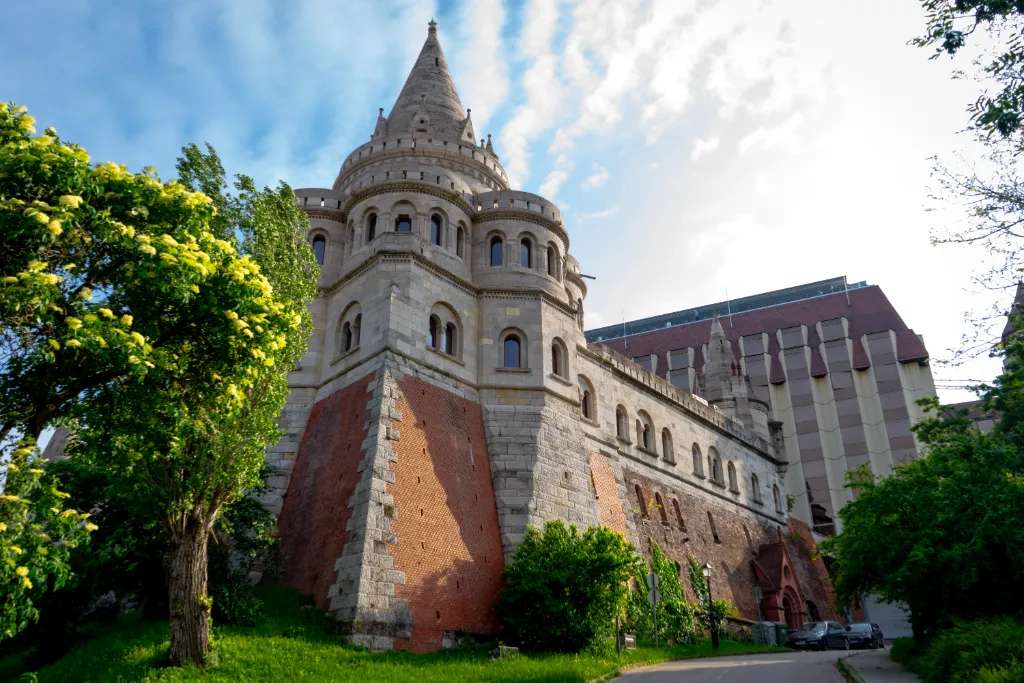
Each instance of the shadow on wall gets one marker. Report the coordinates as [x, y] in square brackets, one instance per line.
[315, 510]
[446, 522]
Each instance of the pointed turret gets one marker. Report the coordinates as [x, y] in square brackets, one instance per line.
[382, 124]
[428, 103]
[718, 369]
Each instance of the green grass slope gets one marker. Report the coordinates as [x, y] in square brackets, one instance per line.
[293, 643]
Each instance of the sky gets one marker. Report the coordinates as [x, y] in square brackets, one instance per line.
[699, 150]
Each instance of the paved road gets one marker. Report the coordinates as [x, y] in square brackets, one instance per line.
[786, 667]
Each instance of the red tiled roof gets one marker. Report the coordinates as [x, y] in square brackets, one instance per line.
[868, 311]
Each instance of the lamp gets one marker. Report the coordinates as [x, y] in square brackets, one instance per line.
[712, 620]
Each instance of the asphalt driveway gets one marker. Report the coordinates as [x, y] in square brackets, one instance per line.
[785, 667]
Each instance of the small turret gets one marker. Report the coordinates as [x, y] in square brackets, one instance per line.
[381, 129]
[490, 147]
[725, 385]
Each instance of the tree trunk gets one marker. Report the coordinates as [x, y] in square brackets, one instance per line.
[189, 603]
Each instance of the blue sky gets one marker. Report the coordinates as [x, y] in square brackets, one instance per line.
[698, 149]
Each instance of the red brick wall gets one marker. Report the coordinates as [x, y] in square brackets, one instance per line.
[446, 521]
[739, 535]
[315, 511]
[810, 569]
[609, 505]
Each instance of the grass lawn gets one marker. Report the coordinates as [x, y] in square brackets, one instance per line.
[297, 644]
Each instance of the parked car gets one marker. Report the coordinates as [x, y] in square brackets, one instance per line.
[820, 635]
[864, 634]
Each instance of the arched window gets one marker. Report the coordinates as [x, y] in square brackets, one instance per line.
[460, 238]
[351, 237]
[777, 498]
[640, 499]
[679, 515]
[512, 351]
[451, 339]
[621, 423]
[587, 399]
[403, 223]
[436, 229]
[348, 329]
[667, 452]
[497, 251]
[755, 488]
[644, 431]
[734, 485]
[662, 512]
[715, 466]
[698, 461]
[319, 248]
[526, 253]
[434, 332]
[346, 337]
[371, 227]
[559, 360]
[552, 261]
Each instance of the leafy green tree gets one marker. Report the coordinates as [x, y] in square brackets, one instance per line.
[945, 533]
[712, 616]
[564, 589]
[37, 534]
[126, 303]
[949, 26]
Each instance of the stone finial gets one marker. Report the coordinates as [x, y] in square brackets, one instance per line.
[431, 27]
[490, 147]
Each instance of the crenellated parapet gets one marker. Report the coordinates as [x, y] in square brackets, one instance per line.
[693, 405]
[461, 166]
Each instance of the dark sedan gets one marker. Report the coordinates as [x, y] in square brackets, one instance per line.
[820, 635]
[865, 635]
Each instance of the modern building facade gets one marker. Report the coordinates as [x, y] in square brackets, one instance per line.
[449, 400]
[832, 361]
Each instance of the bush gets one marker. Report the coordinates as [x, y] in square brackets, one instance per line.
[677, 618]
[564, 589]
[982, 650]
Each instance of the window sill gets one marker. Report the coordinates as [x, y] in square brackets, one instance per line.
[560, 379]
[590, 421]
[715, 482]
[522, 371]
[669, 461]
[446, 356]
[621, 439]
[735, 492]
[345, 355]
[648, 451]
[699, 475]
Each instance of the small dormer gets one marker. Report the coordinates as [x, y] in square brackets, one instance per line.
[468, 133]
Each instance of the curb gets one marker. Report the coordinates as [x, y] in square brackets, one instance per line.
[847, 670]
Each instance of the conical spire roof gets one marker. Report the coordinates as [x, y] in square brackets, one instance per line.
[428, 102]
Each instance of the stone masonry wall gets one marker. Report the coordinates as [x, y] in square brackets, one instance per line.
[447, 544]
[539, 465]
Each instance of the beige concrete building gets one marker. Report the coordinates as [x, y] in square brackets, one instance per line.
[832, 361]
[449, 400]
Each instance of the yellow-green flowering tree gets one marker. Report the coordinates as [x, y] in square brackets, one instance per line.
[37, 534]
[127, 304]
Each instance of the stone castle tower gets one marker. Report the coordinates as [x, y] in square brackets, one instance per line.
[449, 400]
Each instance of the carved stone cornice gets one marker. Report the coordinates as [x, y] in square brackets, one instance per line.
[414, 186]
[426, 152]
[522, 215]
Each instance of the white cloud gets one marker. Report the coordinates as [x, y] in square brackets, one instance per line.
[584, 216]
[785, 133]
[553, 182]
[596, 179]
[481, 64]
[703, 147]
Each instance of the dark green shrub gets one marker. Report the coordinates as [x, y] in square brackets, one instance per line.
[564, 589]
[986, 649]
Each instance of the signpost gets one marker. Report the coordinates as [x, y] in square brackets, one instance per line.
[654, 595]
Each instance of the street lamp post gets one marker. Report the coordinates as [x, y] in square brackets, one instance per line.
[712, 621]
